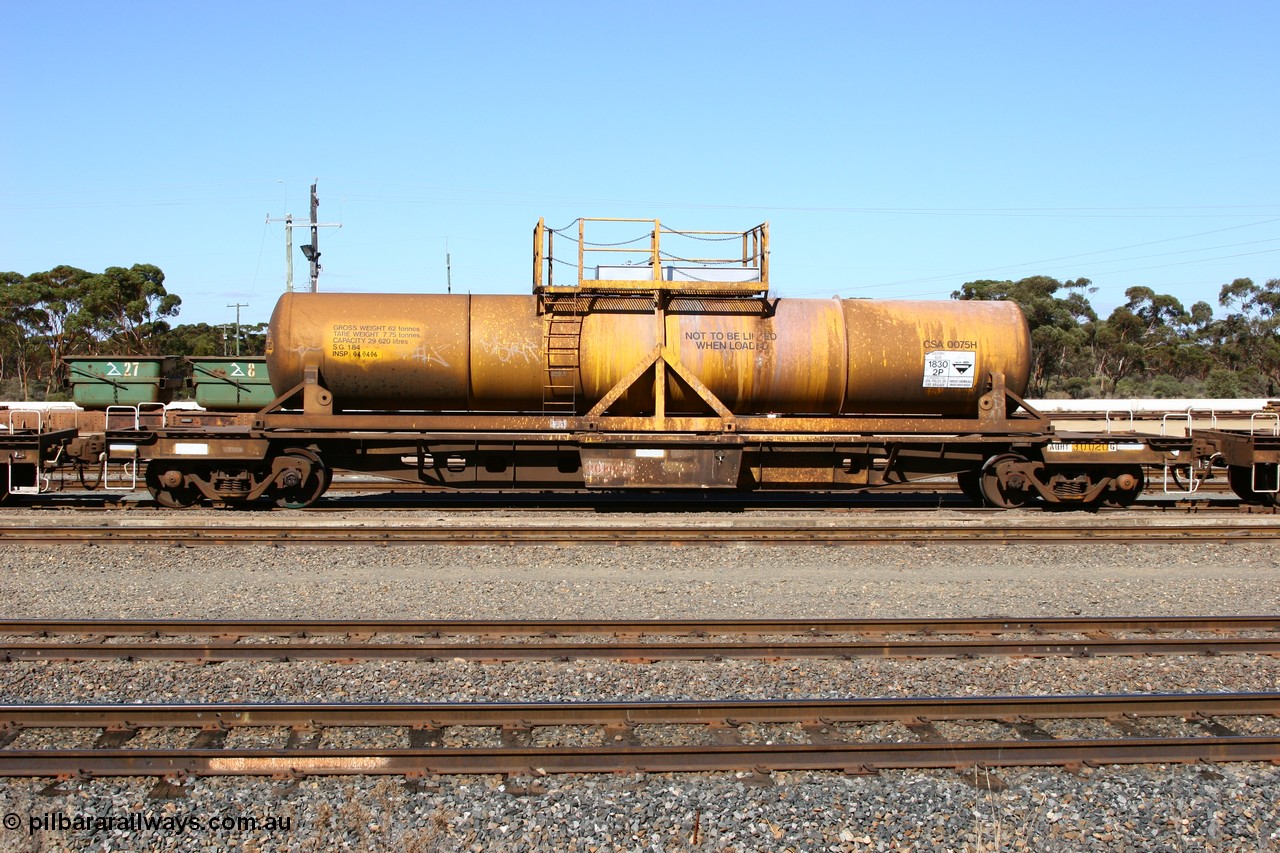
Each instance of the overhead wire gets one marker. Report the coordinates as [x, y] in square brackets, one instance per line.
[946, 276]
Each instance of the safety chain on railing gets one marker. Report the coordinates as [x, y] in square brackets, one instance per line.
[639, 239]
[687, 274]
[702, 262]
[703, 238]
[569, 237]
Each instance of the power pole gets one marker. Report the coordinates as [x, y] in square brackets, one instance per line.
[238, 306]
[312, 250]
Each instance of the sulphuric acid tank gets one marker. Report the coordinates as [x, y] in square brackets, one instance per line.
[489, 353]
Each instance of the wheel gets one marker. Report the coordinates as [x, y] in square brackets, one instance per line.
[1130, 484]
[970, 483]
[4, 484]
[1241, 478]
[309, 490]
[1010, 494]
[168, 487]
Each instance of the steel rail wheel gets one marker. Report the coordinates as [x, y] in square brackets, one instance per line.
[1130, 483]
[1242, 481]
[970, 483]
[169, 488]
[309, 488]
[1006, 489]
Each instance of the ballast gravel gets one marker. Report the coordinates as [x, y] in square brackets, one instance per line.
[1230, 807]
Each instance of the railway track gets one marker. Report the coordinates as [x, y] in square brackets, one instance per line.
[636, 641]
[987, 530]
[848, 735]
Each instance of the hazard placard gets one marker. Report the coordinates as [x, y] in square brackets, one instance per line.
[950, 368]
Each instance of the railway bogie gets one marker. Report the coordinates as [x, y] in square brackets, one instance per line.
[1252, 460]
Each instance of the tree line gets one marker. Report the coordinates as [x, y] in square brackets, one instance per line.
[67, 311]
[1151, 346]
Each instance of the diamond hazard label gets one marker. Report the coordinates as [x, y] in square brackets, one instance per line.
[949, 368]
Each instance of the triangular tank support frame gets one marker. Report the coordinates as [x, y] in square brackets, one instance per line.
[661, 359]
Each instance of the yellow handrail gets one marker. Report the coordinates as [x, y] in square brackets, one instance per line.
[754, 256]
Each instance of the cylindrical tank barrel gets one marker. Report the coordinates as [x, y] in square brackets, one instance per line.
[931, 357]
[486, 353]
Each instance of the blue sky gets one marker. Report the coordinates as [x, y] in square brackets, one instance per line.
[897, 149]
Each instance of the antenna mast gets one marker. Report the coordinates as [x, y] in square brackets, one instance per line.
[310, 251]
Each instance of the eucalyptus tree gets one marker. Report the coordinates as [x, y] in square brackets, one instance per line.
[125, 308]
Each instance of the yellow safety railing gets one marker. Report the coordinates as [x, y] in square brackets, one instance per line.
[653, 267]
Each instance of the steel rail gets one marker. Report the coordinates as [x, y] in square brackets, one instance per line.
[664, 534]
[83, 640]
[940, 486]
[1040, 748]
[219, 651]
[726, 712]
[641, 627]
[845, 757]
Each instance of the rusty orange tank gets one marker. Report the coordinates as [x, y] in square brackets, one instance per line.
[487, 353]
